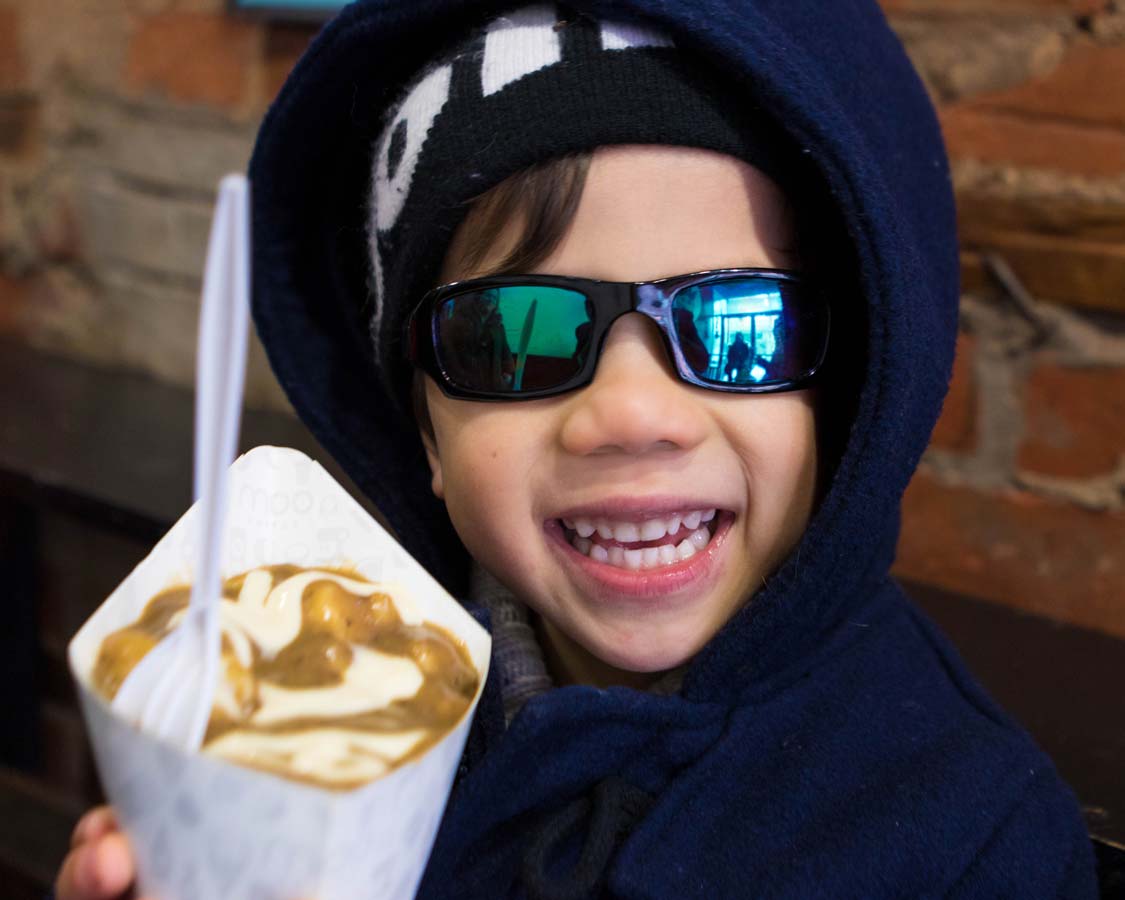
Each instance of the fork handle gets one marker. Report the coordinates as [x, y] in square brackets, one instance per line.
[221, 369]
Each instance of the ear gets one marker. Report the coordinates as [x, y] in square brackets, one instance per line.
[437, 485]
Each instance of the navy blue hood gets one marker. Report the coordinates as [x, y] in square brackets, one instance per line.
[828, 705]
[836, 78]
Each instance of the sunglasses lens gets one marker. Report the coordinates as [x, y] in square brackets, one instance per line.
[513, 339]
[750, 330]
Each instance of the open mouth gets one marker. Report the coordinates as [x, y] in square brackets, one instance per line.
[648, 543]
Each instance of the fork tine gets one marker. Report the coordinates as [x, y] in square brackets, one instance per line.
[159, 705]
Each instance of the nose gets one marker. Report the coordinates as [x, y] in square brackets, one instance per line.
[636, 404]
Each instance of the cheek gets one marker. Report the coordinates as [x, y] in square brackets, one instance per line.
[487, 498]
[481, 462]
[779, 453]
[464, 468]
[491, 458]
[794, 465]
[485, 477]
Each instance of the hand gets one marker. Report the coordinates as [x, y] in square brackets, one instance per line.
[100, 863]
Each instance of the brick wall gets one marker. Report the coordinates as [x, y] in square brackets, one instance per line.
[118, 118]
[1021, 497]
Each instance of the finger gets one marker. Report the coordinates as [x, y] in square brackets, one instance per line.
[104, 868]
[65, 888]
[98, 821]
[115, 867]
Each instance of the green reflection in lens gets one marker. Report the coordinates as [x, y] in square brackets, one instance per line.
[514, 338]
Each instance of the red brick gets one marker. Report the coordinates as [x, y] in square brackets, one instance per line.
[1075, 421]
[999, 136]
[194, 57]
[1078, 7]
[1085, 87]
[12, 68]
[957, 427]
[1063, 248]
[1013, 548]
[1051, 212]
[974, 279]
[284, 46]
[1077, 272]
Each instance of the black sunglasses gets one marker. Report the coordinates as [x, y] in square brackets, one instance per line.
[526, 336]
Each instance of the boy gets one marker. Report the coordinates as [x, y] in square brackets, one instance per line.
[704, 682]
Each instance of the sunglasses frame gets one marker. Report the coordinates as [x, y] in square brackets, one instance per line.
[611, 299]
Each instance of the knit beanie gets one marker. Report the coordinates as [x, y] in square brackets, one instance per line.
[533, 84]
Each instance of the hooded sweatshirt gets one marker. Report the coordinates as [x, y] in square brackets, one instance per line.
[828, 741]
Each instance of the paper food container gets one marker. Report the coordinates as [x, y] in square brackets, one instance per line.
[203, 827]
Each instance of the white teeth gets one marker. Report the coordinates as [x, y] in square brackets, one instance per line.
[645, 557]
[646, 530]
[626, 532]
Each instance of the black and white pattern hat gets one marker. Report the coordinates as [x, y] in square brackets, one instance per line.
[536, 83]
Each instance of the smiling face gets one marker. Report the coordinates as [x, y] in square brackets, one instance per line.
[636, 515]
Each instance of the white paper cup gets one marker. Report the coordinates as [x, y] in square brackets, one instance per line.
[202, 827]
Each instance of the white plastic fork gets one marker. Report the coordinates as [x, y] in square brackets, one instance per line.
[170, 691]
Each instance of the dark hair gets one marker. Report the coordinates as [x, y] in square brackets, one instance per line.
[543, 199]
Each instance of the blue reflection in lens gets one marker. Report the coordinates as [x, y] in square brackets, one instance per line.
[742, 325]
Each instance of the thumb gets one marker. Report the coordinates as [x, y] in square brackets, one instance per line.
[100, 869]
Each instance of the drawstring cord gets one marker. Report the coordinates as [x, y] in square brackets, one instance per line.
[613, 808]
